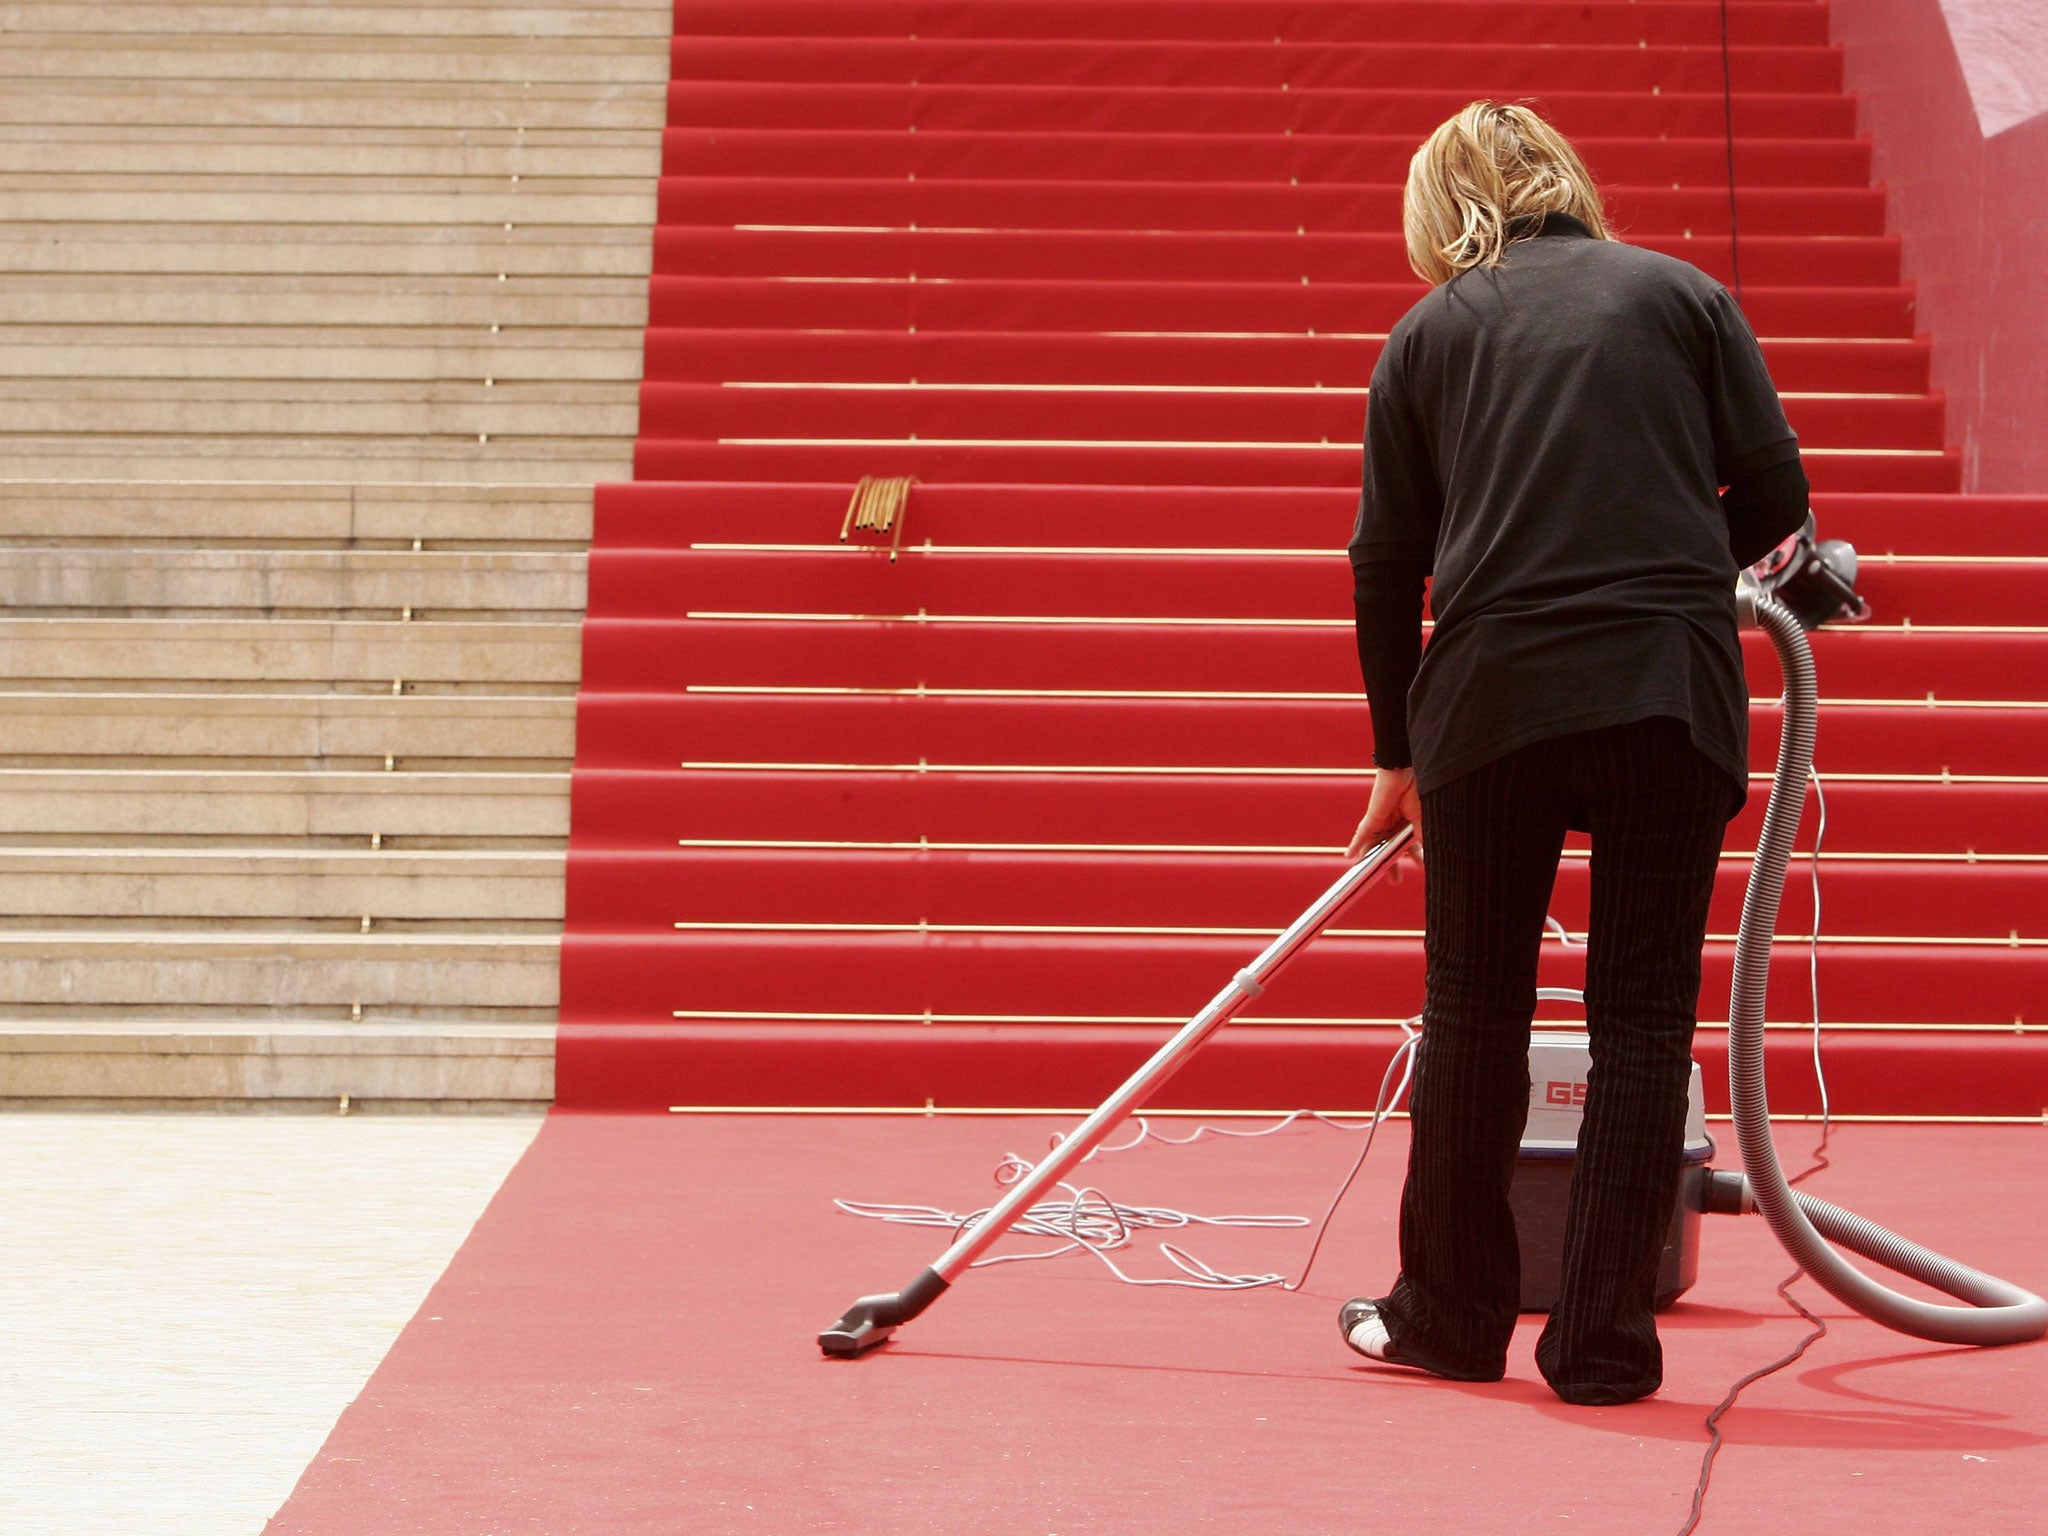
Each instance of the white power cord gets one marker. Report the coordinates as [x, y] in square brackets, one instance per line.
[1089, 1221]
[1820, 832]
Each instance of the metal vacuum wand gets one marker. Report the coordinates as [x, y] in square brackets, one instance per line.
[870, 1320]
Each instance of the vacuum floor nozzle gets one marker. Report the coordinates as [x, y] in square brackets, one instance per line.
[872, 1319]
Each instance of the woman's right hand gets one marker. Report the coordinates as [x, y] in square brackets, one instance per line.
[1394, 804]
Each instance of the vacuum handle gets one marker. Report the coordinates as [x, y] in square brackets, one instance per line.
[1169, 1058]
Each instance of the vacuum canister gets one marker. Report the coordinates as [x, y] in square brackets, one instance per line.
[1558, 1062]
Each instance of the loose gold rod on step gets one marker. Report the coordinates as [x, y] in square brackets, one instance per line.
[879, 503]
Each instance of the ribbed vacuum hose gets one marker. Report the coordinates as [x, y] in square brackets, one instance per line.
[1998, 1312]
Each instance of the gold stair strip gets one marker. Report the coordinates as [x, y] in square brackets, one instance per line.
[1159, 770]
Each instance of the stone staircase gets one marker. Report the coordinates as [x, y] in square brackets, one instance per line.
[318, 325]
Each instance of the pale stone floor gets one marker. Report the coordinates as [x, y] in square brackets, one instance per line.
[188, 1302]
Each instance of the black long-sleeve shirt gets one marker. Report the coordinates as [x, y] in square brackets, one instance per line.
[1544, 444]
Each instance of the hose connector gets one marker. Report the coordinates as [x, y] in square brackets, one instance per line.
[1748, 592]
[1723, 1192]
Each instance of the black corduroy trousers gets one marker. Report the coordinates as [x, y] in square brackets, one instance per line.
[1657, 810]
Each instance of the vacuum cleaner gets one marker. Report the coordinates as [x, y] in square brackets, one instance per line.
[1993, 1311]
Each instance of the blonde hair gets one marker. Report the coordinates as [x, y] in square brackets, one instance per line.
[1478, 175]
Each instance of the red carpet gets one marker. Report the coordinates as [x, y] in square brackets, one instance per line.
[626, 1344]
[1109, 277]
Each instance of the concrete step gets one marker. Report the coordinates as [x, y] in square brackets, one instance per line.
[319, 323]
[512, 61]
[183, 513]
[436, 204]
[402, 810]
[233, 408]
[149, 102]
[263, 299]
[498, 154]
[273, 887]
[188, 873]
[277, 972]
[266, 582]
[404, 355]
[469, 249]
[647, 19]
[158, 1063]
[290, 732]
[577, 462]
[395, 656]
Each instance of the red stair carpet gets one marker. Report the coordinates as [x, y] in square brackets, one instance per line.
[624, 1347]
[969, 825]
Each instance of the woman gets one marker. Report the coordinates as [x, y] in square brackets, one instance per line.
[1545, 437]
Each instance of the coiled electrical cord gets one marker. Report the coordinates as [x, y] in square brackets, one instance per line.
[1091, 1222]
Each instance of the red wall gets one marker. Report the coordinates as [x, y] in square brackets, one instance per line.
[1971, 211]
